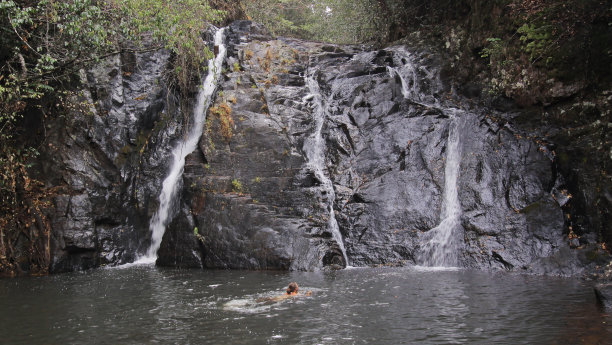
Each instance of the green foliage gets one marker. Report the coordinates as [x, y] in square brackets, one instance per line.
[237, 186]
[223, 113]
[198, 236]
[494, 49]
[536, 44]
[344, 21]
[281, 17]
[178, 25]
[536, 41]
[45, 42]
[338, 21]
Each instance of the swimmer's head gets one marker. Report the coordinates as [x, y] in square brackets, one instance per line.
[292, 289]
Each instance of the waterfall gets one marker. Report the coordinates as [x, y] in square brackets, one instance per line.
[170, 185]
[314, 147]
[421, 85]
[443, 240]
[407, 74]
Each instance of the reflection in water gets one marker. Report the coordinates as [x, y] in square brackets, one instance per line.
[144, 304]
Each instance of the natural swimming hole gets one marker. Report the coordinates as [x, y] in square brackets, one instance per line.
[150, 305]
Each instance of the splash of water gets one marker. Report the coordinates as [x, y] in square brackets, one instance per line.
[170, 185]
[314, 148]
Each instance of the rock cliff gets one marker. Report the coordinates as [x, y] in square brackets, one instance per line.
[312, 155]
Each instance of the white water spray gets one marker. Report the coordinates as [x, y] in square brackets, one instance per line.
[314, 148]
[170, 185]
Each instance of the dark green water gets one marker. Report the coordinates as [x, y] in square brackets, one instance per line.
[148, 305]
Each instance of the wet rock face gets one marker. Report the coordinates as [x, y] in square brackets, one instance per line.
[108, 161]
[256, 195]
[258, 203]
[253, 199]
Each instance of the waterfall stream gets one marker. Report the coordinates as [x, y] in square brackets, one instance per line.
[443, 240]
[169, 190]
[420, 85]
[314, 147]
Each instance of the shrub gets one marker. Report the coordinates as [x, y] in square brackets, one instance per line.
[237, 186]
[223, 112]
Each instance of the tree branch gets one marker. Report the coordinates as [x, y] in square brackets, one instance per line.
[21, 38]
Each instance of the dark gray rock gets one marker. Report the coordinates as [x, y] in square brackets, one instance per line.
[252, 190]
[180, 247]
[108, 160]
[604, 295]
[254, 201]
[258, 204]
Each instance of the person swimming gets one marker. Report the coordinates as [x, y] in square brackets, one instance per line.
[292, 291]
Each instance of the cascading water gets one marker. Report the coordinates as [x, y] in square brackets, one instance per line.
[443, 240]
[420, 85]
[314, 148]
[170, 185]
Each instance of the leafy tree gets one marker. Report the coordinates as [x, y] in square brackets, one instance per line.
[337, 21]
[344, 21]
[46, 41]
[281, 17]
[177, 25]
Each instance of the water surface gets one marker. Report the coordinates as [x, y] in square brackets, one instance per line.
[149, 305]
